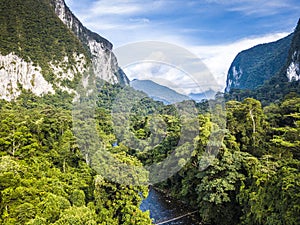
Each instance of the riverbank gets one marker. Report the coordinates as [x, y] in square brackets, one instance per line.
[168, 211]
[168, 195]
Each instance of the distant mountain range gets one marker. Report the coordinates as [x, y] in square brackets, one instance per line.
[45, 49]
[158, 92]
[166, 95]
[267, 72]
[198, 97]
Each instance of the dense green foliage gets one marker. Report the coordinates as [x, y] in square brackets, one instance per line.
[45, 180]
[275, 90]
[277, 87]
[255, 177]
[259, 63]
[31, 30]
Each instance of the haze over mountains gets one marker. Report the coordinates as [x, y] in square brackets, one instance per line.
[158, 92]
[276, 62]
[54, 54]
[167, 95]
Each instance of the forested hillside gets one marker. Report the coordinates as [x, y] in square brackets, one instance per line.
[45, 49]
[255, 177]
[281, 83]
[252, 67]
[58, 131]
[44, 178]
[38, 36]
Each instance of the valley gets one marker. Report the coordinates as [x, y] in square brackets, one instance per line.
[81, 144]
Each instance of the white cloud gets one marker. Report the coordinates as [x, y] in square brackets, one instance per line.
[166, 75]
[217, 58]
[126, 21]
[121, 21]
[172, 65]
[256, 7]
[123, 8]
[107, 7]
[140, 20]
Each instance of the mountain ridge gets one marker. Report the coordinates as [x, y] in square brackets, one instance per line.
[252, 67]
[285, 83]
[158, 92]
[293, 60]
[42, 52]
[75, 25]
[93, 42]
[198, 97]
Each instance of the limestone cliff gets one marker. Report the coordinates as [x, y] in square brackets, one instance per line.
[45, 48]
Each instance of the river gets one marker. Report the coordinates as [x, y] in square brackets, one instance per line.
[163, 209]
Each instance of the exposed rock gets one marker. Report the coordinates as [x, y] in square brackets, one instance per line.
[252, 67]
[104, 62]
[16, 73]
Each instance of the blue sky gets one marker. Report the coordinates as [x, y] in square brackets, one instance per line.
[214, 30]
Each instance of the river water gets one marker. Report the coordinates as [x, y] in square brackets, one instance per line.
[163, 209]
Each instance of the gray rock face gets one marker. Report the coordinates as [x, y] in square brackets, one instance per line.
[105, 64]
[17, 73]
[293, 70]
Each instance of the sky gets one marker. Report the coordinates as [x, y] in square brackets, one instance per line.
[214, 31]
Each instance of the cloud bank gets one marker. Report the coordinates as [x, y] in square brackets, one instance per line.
[214, 30]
